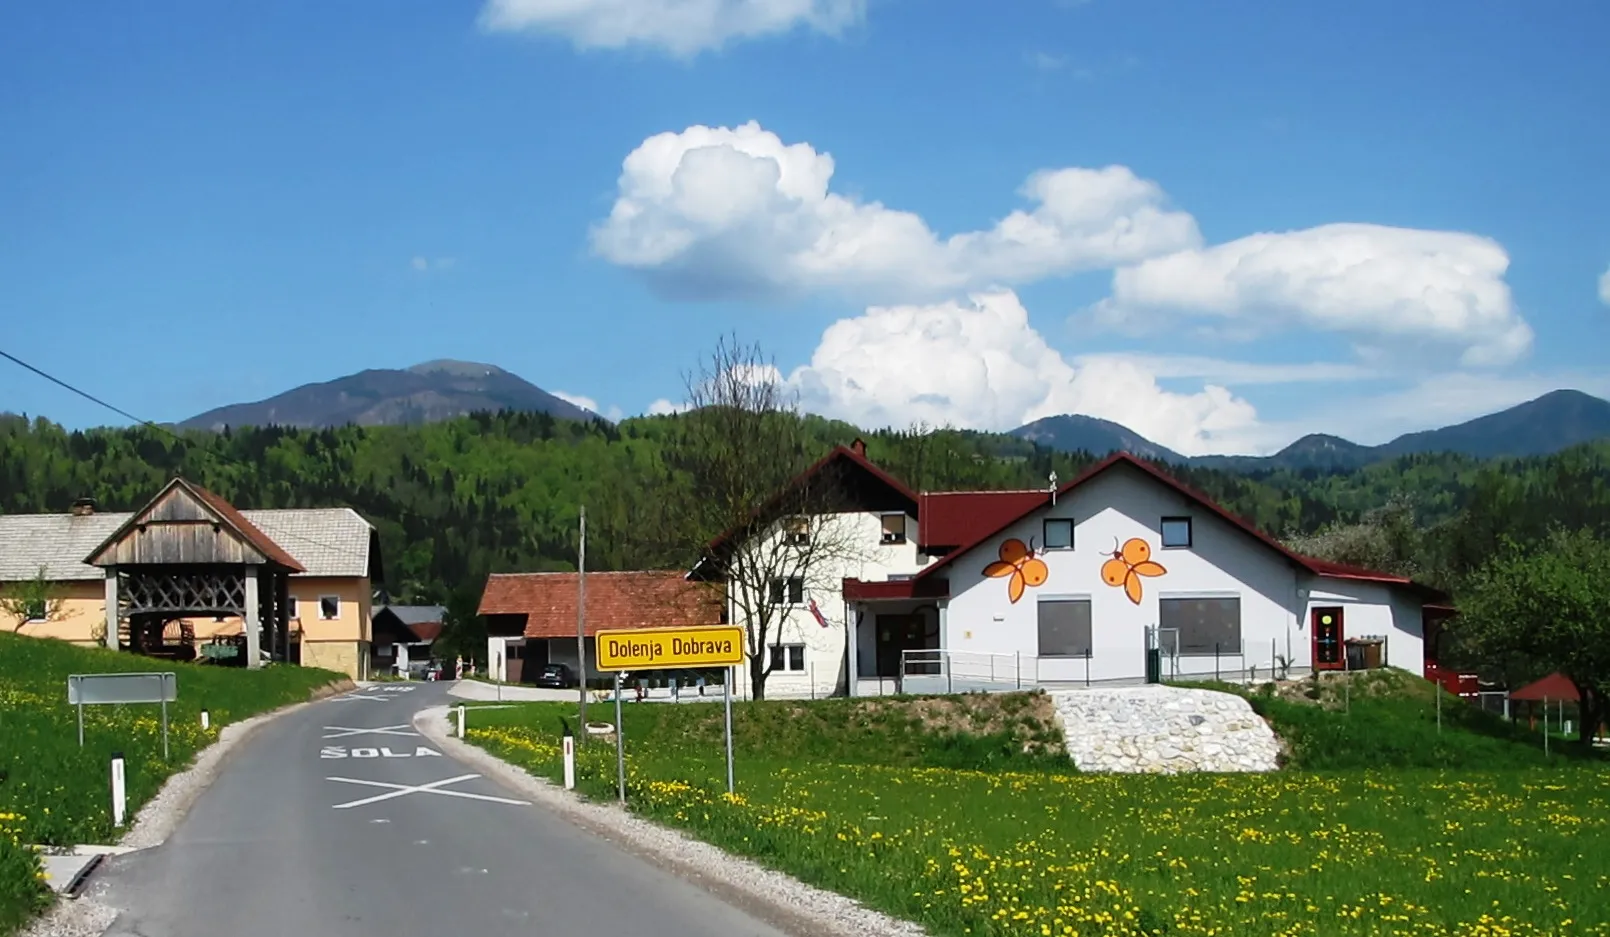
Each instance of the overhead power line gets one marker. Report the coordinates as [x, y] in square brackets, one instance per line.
[159, 428]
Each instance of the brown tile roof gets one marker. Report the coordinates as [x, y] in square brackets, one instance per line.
[226, 512]
[254, 535]
[637, 599]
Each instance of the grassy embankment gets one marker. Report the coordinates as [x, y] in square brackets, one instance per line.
[933, 811]
[54, 793]
[1388, 719]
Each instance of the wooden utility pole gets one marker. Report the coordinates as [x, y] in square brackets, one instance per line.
[581, 622]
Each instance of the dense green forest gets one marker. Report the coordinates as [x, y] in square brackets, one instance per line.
[491, 492]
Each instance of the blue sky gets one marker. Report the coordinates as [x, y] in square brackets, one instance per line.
[1235, 222]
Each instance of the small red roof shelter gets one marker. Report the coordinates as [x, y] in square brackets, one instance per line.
[1555, 687]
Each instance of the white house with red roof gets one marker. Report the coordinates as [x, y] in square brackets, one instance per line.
[993, 590]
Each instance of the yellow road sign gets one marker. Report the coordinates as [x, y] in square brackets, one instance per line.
[670, 648]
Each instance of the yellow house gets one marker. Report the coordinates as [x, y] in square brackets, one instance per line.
[189, 575]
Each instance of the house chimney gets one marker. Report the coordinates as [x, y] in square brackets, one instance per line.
[83, 507]
[858, 447]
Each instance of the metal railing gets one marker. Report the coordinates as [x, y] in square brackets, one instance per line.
[938, 670]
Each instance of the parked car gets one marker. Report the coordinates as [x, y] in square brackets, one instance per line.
[557, 676]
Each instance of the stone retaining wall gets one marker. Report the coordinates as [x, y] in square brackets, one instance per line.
[1161, 729]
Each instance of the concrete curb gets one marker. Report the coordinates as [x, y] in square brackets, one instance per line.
[780, 900]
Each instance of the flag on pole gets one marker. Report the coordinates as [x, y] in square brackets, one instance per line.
[820, 618]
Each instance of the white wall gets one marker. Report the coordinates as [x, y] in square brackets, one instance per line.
[1122, 503]
[871, 560]
[1370, 608]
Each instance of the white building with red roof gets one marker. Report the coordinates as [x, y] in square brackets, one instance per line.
[993, 590]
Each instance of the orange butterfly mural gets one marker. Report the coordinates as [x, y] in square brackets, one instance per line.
[1019, 562]
[1130, 562]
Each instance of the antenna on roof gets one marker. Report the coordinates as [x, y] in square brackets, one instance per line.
[1053, 480]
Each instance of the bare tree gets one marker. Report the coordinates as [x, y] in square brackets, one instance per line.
[31, 600]
[767, 532]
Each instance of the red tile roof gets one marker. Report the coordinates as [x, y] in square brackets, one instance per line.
[1554, 687]
[948, 519]
[638, 599]
[253, 535]
[427, 631]
[1309, 564]
[226, 512]
[856, 590]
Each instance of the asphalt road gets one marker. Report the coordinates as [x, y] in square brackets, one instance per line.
[408, 842]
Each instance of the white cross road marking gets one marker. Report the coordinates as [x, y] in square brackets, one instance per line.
[434, 787]
[339, 699]
[343, 731]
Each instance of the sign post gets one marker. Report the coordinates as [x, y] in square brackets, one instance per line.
[620, 739]
[731, 671]
[668, 649]
[96, 689]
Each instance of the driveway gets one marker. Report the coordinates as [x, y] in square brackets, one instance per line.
[338, 820]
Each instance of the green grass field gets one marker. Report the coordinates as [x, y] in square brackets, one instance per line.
[1388, 719]
[984, 838]
[54, 793]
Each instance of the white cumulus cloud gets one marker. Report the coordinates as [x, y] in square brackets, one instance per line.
[683, 28]
[1604, 287]
[980, 364]
[588, 403]
[725, 212]
[664, 407]
[1382, 286]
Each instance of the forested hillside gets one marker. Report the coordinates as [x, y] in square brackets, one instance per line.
[497, 492]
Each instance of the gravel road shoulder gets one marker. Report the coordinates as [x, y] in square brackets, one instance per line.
[780, 900]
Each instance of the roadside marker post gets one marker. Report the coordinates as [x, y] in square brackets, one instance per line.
[570, 759]
[120, 796]
[206, 721]
[668, 649]
[460, 720]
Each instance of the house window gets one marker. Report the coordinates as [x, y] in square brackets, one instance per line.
[1064, 627]
[789, 591]
[788, 658]
[35, 610]
[329, 607]
[290, 608]
[1205, 626]
[797, 531]
[1058, 533]
[894, 528]
[1176, 531]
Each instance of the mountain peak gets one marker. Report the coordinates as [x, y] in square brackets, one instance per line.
[433, 390]
[1557, 420]
[456, 368]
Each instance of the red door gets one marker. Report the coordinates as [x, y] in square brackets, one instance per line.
[1327, 630]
